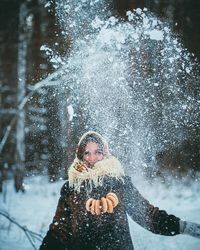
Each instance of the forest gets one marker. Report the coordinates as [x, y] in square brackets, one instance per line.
[128, 69]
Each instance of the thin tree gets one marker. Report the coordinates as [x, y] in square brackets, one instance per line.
[21, 92]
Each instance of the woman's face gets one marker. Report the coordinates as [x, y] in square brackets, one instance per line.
[92, 154]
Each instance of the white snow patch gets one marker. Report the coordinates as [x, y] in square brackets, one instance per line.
[138, 11]
[155, 34]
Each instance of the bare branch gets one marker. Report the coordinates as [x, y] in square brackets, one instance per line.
[49, 81]
[29, 234]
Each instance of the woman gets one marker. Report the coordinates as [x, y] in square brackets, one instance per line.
[92, 210]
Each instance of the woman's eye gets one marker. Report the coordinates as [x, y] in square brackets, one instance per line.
[99, 152]
[86, 153]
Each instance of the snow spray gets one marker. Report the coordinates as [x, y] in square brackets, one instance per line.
[131, 80]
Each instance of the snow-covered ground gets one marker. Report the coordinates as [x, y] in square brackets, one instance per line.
[35, 209]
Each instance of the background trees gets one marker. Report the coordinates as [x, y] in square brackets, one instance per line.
[34, 143]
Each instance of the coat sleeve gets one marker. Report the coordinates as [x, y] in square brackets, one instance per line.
[150, 217]
[58, 235]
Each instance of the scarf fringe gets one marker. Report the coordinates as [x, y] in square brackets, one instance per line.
[109, 166]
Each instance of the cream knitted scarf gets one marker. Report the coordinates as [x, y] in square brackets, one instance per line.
[109, 166]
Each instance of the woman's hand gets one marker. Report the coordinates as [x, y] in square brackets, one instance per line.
[81, 167]
[103, 205]
[190, 228]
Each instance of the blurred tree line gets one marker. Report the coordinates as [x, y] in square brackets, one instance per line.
[32, 144]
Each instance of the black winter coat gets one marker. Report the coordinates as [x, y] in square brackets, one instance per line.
[73, 227]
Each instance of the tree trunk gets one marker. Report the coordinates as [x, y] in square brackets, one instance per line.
[21, 92]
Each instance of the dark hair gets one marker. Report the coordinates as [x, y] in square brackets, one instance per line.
[87, 139]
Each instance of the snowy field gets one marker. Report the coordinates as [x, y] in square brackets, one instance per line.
[35, 209]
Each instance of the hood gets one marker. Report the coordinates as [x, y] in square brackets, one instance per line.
[97, 137]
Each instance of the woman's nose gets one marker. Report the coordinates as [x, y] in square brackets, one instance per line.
[92, 158]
